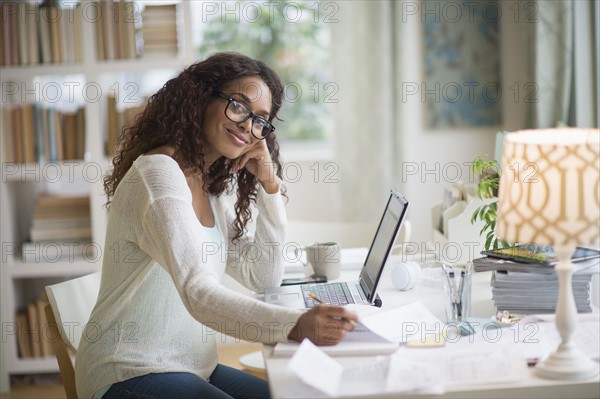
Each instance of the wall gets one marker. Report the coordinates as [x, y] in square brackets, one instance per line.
[431, 161]
[312, 189]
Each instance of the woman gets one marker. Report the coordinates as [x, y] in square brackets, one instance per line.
[171, 236]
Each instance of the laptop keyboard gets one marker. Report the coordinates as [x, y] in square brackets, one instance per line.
[331, 294]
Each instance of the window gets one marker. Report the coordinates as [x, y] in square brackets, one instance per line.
[293, 37]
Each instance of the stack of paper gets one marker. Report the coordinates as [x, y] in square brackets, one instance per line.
[414, 371]
[527, 293]
[380, 331]
[489, 263]
[320, 374]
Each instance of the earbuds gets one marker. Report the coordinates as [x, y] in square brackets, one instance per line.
[405, 275]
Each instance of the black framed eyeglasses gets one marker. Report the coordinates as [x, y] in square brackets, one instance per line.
[238, 112]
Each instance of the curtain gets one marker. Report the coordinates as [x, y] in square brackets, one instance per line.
[586, 76]
[364, 117]
[550, 63]
[553, 62]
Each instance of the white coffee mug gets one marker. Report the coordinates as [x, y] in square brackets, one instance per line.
[325, 259]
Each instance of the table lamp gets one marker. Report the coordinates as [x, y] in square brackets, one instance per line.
[549, 195]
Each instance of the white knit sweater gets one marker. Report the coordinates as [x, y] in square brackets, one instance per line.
[160, 299]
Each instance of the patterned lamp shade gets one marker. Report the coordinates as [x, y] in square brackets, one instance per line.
[549, 188]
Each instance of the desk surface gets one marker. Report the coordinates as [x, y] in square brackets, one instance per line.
[285, 385]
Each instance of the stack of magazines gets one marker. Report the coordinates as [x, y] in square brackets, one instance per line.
[527, 293]
[525, 283]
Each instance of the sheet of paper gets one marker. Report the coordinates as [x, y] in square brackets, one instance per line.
[315, 368]
[520, 338]
[479, 365]
[586, 337]
[404, 323]
[365, 379]
[484, 367]
[361, 341]
[407, 375]
[383, 374]
[535, 337]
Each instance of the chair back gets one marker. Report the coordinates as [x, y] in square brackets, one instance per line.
[70, 305]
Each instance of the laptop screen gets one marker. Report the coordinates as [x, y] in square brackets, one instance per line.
[388, 229]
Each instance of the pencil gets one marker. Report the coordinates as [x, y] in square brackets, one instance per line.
[316, 298]
[322, 302]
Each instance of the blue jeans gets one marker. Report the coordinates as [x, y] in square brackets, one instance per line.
[224, 383]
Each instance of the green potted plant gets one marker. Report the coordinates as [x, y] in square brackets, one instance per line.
[487, 188]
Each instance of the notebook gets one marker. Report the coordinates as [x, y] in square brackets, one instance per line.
[361, 291]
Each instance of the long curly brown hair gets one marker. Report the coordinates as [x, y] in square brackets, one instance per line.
[175, 116]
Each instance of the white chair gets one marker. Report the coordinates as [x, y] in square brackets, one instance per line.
[70, 304]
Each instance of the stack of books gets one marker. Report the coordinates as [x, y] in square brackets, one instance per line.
[38, 134]
[159, 30]
[60, 230]
[528, 288]
[39, 34]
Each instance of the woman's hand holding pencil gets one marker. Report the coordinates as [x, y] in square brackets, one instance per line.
[324, 324]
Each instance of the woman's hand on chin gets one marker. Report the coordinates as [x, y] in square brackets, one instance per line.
[257, 161]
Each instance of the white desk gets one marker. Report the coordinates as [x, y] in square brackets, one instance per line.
[285, 385]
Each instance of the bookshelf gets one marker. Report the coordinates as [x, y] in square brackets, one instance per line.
[22, 182]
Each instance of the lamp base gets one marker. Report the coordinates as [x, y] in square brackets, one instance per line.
[567, 363]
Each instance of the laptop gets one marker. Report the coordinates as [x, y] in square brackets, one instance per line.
[362, 291]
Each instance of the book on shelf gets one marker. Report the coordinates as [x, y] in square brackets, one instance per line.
[127, 30]
[60, 205]
[9, 33]
[38, 135]
[33, 337]
[22, 33]
[76, 29]
[62, 201]
[47, 348]
[116, 31]
[100, 45]
[52, 12]
[31, 18]
[7, 138]
[44, 41]
[52, 214]
[28, 133]
[114, 26]
[56, 134]
[35, 330]
[61, 233]
[17, 134]
[38, 33]
[23, 340]
[52, 251]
